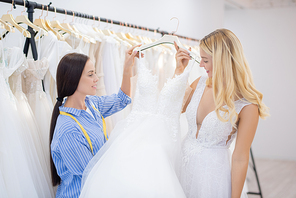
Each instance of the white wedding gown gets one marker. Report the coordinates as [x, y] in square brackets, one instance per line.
[17, 178]
[206, 166]
[139, 158]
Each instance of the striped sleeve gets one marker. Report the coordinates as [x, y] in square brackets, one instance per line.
[75, 152]
[109, 105]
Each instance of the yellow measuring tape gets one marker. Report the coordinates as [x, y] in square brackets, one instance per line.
[84, 131]
[104, 124]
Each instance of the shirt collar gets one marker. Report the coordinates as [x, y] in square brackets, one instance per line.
[74, 111]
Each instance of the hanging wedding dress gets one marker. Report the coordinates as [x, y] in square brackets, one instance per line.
[38, 101]
[32, 135]
[139, 158]
[52, 49]
[16, 177]
[206, 167]
[110, 64]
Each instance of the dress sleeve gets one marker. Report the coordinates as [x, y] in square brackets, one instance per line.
[109, 105]
[75, 152]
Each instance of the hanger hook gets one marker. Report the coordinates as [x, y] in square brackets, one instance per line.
[88, 17]
[55, 13]
[24, 7]
[111, 27]
[12, 6]
[94, 20]
[177, 25]
[47, 9]
[41, 11]
[65, 16]
[46, 12]
[73, 16]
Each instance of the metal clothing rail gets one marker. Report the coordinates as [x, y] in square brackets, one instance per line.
[35, 5]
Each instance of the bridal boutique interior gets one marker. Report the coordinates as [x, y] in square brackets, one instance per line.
[266, 29]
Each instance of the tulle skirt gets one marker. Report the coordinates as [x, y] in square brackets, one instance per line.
[15, 170]
[42, 112]
[32, 138]
[208, 174]
[137, 161]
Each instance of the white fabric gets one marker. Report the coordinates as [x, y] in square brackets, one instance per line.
[111, 70]
[31, 135]
[52, 49]
[139, 158]
[38, 101]
[16, 176]
[205, 168]
[88, 111]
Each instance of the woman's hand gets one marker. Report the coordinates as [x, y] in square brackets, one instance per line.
[127, 70]
[130, 57]
[182, 59]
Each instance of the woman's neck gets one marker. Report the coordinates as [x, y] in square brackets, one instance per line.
[76, 101]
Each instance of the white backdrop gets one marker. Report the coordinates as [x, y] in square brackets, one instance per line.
[269, 40]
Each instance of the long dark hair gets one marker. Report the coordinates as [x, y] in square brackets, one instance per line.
[68, 75]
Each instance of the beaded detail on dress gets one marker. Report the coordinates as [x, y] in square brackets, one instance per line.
[166, 104]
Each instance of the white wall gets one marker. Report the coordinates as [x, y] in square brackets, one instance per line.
[269, 40]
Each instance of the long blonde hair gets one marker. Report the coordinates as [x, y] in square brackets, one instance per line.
[232, 76]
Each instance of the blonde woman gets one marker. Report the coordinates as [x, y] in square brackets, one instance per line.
[220, 107]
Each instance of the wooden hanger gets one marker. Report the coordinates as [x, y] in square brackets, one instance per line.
[85, 38]
[40, 22]
[68, 27]
[123, 36]
[24, 19]
[7, 26]
[56, 24]
[49, 27]
[9, 18]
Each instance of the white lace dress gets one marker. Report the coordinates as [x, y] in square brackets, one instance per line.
[32, 135]
[139, 158]
[38, 101]
[16, 179]
[206, 168]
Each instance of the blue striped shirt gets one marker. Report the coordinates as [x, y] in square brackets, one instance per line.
[69, 148]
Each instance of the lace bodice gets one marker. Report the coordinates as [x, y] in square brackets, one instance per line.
[34, 74]
[11, 59]
[166, 104]
[213, 133]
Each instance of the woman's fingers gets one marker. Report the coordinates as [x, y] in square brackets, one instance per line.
[182, 54]
[184, 57]
[130, 50]
[176, 46]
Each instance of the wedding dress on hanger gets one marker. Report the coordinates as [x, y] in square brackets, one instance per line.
[32, 135]
[38, 101]
[16, 177]
[139, 158]
[52, 49]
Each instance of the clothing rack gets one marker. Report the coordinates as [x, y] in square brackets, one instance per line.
[31, 5]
